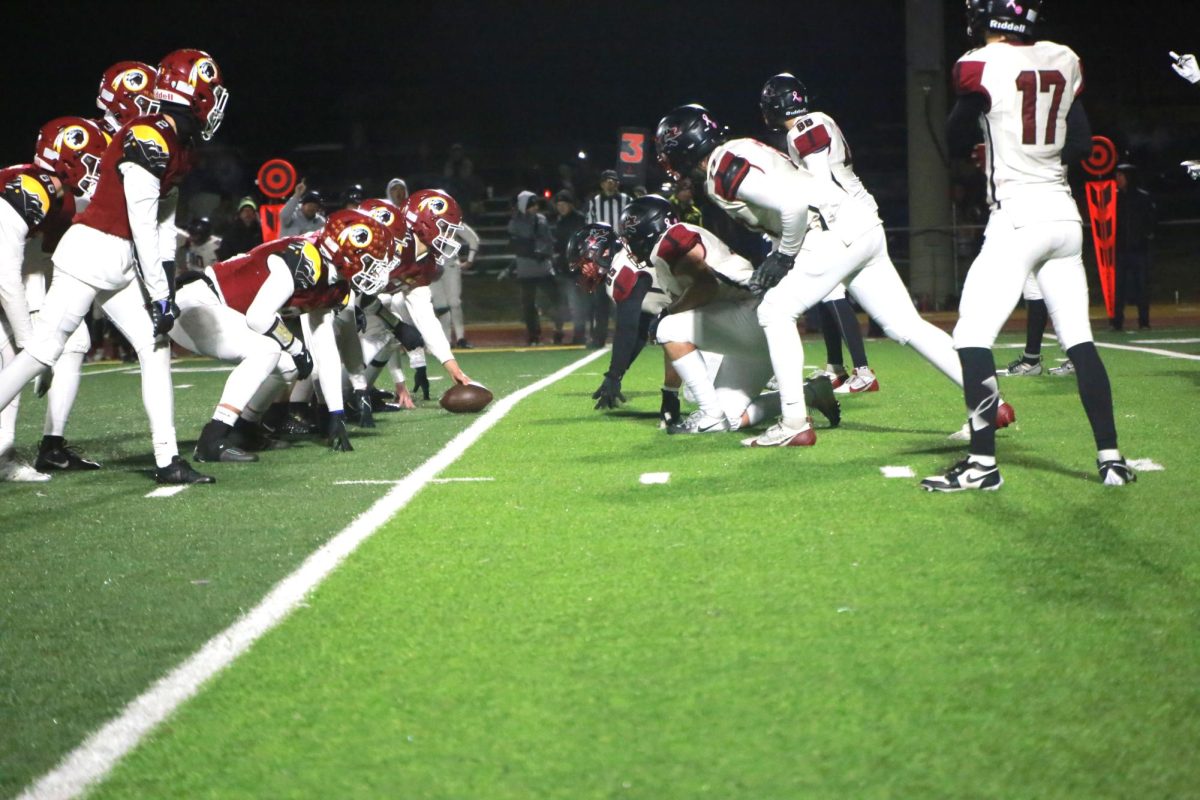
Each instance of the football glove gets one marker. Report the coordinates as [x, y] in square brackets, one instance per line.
[652, 328]
[41, 384]
[1186, 67]
[361, 400]
[609, 394]
[163, 314]
[421, 382]
[339, 438]
[360, 319]
[303, 361]
[771, 271]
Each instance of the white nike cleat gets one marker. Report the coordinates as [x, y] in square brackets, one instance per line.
[781, 435]
[863, 380]
[699, 422]
[19, 472]
[964, 475]
[1115, 472]
[1022, 368]
[1066, 368]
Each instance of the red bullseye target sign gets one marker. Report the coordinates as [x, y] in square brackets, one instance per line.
[1103, 157]
[276, 178]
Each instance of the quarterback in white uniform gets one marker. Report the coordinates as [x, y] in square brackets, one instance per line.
[823, 237]
[1023, 94]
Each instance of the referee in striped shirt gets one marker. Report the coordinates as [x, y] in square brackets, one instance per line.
[604, 206]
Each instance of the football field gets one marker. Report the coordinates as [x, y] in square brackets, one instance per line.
[572, 604]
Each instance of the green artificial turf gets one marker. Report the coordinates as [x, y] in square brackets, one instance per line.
[103, 590]
[767, 624]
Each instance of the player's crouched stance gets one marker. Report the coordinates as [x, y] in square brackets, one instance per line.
[1025, 91]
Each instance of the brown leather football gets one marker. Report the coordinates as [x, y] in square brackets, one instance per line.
[459, 399]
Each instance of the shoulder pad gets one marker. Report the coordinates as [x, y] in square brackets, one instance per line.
[810, 137]
[968, 77]
[304, 260]
[622, 282]
[731, 171]
[146, 144]
[677, 242]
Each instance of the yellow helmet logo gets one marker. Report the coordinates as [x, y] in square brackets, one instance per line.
[135, 80]
[383, 214]
[204, 69]
[358, 235]
[434, 204]
[73, 136]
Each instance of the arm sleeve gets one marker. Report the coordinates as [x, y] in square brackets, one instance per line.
[625, 338]
[785, 193]
[419, 304]
[1079, 135]
[962, 126]
[287, 214]
[167, 245]
[12, 291]
[272, 295]
[328, 362]
[470, 239]
[142, 201]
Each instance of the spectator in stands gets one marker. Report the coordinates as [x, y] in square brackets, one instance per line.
[301, 213]
[568, 221]
[461, 182]
[397, 191]
[244, 232]
[533, 245]
[1135, 232]
[684, 201]
[606, 205]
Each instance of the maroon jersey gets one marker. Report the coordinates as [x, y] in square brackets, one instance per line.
[151, 143]
[241, 277]
[412, 272]
[327, 296]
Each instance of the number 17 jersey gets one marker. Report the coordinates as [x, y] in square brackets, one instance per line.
[1029, 89]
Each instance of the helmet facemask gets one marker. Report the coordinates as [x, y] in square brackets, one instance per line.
[372, 277]
[91, 174]
[446, 244]
[216, 114]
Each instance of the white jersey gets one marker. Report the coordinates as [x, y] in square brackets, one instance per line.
[1030, 88]
[764, 190]
[624, 276]
[731, 270]
[817, 144]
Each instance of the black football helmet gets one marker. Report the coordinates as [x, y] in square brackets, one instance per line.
[200, 228]
[644, 222]
[354, 195]
[684, 137]
[783, 97]
[1017, 17]
[590, 252]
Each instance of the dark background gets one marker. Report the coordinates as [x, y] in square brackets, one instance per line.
[365, 91]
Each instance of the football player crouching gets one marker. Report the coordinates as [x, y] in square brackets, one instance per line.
[403, 310]
[710, 330]
[599, 255]
[37, 198]
[231, 311]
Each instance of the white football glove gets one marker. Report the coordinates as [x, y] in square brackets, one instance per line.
[1186, 66]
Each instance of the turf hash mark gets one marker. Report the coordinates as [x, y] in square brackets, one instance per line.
[100, 752]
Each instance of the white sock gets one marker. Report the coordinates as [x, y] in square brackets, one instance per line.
[694, 372]
[983, 461]
[226, 414]
[1108, 455]
[787, 359]
[158, 396]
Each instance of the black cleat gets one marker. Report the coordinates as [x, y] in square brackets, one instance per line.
[222, 451]
[255, 438]
[294, 425]
[360, 409]
[1112, 473]
[60, 456]
[818, 394]
[463, 344]
[180, 472]
[964, 475]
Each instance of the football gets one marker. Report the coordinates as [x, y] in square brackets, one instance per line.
[460, 399]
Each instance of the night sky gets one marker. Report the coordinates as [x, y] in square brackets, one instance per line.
[538, 81]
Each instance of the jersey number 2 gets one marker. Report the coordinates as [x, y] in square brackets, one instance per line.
[1029, 83]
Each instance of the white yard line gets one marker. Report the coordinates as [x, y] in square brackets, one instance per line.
[100, 752]
[167, 491]
[87, 373]
[461, 480]
[898, 472]
[1154, 351]
[650, 478]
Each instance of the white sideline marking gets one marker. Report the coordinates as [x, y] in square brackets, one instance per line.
[461, 480]
[1166, 341]
[432, 480]
[365, 483]
[184, 385]
[897, 472]
[1151, 350]
[1146, 465]
[649, 478]
[180, 370]
[106, 370]
[167, 491]
[93, 759]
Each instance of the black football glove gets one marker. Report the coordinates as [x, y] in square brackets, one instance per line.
[652, 328]
[303, 361]
[421, 382]
[163, 314]
[669, 411]
[41, 384]
[360, 319]
[339, 438]
[609, 394]
[771, 271]
[361, 400]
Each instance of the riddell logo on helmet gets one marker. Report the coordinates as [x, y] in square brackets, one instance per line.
[1006, 25]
